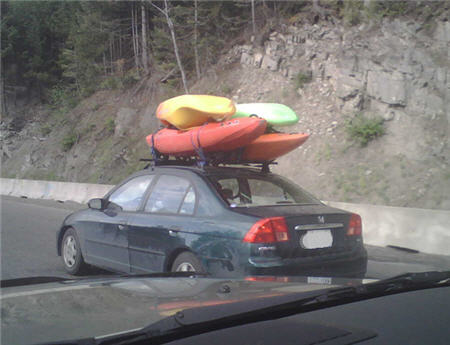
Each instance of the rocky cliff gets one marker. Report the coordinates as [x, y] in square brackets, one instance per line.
[397, 69]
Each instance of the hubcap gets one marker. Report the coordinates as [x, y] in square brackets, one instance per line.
[70, 251]
[185, 267]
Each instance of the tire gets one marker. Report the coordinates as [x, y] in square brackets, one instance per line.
[187, 262]
[71, 253]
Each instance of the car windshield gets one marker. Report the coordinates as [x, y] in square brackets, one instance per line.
[248, 190]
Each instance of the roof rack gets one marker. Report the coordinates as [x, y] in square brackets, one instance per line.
[210, 160]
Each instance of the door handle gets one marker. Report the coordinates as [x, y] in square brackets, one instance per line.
[173, 233]
[121, 226]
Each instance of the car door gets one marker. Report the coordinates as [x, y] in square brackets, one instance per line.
[107, 242]
[155, 231]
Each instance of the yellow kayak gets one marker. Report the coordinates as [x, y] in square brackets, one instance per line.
[189, 111]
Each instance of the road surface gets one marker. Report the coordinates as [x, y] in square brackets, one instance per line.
[28, 244]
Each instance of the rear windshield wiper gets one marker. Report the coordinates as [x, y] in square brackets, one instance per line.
[200, 320]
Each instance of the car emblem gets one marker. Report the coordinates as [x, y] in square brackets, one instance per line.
[321, 219]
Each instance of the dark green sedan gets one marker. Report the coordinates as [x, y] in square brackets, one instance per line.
[227, 221]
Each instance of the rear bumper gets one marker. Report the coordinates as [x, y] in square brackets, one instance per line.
[352, 263]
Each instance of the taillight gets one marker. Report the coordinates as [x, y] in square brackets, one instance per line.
[355, 225]
[268, 230]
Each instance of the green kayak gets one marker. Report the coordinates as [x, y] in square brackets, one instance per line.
[274, 113]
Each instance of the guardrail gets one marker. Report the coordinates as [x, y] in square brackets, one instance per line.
[53, 190]
[421, 229]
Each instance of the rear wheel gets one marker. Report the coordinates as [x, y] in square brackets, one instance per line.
[187, 262]
[71, 253]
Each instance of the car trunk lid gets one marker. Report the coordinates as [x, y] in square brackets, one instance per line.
[314, 230]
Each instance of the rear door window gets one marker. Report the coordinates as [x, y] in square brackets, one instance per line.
[129, 196]
[268, 193]
[171, 194]
[260, 190]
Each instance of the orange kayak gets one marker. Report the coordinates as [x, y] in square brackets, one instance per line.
[211, 137]
[270, 146]
[187, 111]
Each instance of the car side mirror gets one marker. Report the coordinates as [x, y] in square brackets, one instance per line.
[97, 204]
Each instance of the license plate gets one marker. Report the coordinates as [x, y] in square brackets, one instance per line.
[315, 239]
[319, 280]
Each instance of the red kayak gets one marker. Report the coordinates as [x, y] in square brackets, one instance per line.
[211, 137]
[270, 146]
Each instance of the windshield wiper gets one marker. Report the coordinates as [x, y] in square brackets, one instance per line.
[51, 279]
[200, 320]
[180, 274]
[31, 281]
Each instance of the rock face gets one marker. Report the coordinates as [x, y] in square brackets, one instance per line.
[386, 70]
[397, 69]
[397, 65]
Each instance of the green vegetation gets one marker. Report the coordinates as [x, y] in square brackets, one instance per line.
[352, 12]
[360, 181]
[46, 129]
[68, 141]
[325, 153]
[110, 125]
[363, 129]
[302, 78]
[42, 174]
[227, 89]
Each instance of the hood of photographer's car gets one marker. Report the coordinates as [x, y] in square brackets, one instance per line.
[79, 309]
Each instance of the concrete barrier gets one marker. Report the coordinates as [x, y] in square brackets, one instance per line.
[53, 190]
[424, 230]
[420, 229]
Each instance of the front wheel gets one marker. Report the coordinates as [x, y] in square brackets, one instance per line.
[187, 262]
[71, 253]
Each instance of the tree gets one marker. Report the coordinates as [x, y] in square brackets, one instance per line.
[144, 38]
[32, 36]
[170, 25]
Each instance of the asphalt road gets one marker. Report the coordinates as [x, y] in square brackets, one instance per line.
[28, 244]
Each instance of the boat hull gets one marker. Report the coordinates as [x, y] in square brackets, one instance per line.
[273, 145]
[210, 137]
[187, 111]
[274, 113]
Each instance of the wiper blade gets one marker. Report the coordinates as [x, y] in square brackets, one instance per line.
[411, 281]
[180, 274]
[53, 279]
[199, 320]
[31, 281]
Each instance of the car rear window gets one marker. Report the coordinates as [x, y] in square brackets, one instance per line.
[260, 190]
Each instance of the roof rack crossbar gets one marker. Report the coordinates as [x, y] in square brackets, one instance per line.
[162, 160]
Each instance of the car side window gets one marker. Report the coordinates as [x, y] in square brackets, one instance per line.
[188, 205]
[168, 195]
[265, 192]
[129, 196]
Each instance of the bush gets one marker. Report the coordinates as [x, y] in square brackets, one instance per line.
[352, 12]
[63, 98]
[363, 129]
[302, 78]
[110, 125]
[111, 83]
[130, 78]
[226, 89]
[68, 141]
[46, 129]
